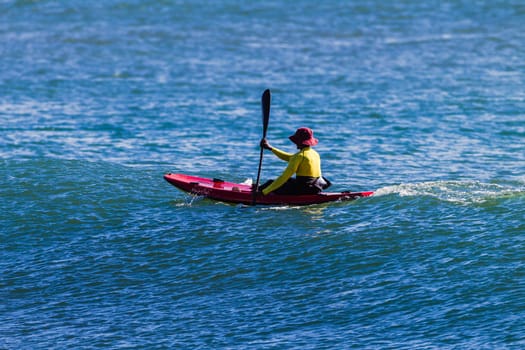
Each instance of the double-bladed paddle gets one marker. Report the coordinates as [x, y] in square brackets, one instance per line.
[265, 104]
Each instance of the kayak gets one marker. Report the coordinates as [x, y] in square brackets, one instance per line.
[230, 192]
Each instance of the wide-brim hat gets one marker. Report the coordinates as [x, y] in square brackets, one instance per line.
[304, 137]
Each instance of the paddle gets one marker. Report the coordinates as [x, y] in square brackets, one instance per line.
[265, 104]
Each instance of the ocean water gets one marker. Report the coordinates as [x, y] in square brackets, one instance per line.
[422, 102]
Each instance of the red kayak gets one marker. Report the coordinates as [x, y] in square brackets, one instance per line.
[242, 194]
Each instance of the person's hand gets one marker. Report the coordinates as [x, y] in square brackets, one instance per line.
[265, 144]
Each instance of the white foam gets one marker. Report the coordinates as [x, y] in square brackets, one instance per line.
[461, 192]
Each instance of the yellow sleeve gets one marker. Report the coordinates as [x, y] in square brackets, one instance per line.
[293, 164]
[282, 154]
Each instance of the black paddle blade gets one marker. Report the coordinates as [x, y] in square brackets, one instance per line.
[265, 104]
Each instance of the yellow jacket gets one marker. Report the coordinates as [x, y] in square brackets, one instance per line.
[306, 162]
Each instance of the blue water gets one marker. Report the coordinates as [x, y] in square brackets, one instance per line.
[423, 102]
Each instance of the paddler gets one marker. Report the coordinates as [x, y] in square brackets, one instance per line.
[305, 164]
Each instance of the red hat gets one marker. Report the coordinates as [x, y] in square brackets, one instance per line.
[304, 137]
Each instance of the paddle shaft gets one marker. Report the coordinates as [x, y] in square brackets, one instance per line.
[265, 104]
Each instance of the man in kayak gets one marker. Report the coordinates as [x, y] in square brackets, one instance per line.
[306, 164]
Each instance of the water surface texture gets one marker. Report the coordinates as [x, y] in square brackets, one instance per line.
[423, 102]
